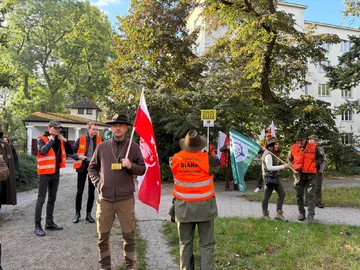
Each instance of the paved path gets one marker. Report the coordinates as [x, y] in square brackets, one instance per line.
[230, 204]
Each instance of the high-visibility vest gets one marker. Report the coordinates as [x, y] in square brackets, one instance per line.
[82, 149]
[192, 179]
[46, 164]
[304, 160]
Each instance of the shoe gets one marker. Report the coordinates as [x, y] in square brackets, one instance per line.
[311, 218]
[301, 217]
[320, 205]
[53, 227]
[105, 268]
[76, 217]
[305, 204]
[257, 190]
[89, 218]
[38, 230]
[236, 187]
[227, 187]
[266, 215]
[279, 215]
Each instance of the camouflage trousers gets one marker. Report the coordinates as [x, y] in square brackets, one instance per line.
[105, 215]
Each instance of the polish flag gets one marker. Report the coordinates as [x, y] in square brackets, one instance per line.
[149, 184]
[272, 129]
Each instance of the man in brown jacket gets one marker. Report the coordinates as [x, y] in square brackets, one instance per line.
[112, 173]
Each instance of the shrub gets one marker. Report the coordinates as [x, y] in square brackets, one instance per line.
[26, 176]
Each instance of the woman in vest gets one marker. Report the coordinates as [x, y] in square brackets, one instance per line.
[270, 166]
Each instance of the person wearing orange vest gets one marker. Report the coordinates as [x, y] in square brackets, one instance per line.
[195, 203]
[85, 145]
[52, 150]
[304, 158]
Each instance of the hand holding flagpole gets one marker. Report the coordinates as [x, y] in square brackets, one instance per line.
[277, 157]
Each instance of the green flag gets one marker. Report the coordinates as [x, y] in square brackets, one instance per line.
[242, 152]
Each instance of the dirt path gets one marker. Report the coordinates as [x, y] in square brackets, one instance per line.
[73, 248]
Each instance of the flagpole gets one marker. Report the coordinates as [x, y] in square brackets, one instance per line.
[133, 130]
[276, 157]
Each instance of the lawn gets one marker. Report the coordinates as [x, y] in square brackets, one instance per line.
[248, 243]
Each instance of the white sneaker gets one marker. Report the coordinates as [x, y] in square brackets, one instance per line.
[257, 190]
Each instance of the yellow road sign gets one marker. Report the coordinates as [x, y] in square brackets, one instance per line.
[208, 114]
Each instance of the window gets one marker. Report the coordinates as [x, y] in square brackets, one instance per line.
[80, 111]
[346, 93]
[323, 63]
[347, 116]
[89, 111]
[345, 46]
[346, 138]
[325, 46]
[323, 90]
[305, 90]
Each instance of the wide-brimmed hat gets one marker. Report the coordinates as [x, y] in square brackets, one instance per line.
[314, 137]
[55, 124]
[119, 119]
[271, 140]
[192, 142]
[300, 135]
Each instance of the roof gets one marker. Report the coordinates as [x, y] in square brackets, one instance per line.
[84, 103]
[63, 118]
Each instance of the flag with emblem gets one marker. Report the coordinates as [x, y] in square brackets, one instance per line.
[242, 152]
[149, 184]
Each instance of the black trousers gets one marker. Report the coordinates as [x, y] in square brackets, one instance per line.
[47, 182]
[81, 180]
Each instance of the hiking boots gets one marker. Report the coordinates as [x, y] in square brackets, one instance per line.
[311, 218]
[38, 230]
[320, 205]
[89, 218]
[279, 215]
[76, 217]
[301, 217]
[236, 187]
[227, 187]
[266, 215]
[52, 226]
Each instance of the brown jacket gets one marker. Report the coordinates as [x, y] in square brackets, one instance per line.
[115, 185]
[4, 170]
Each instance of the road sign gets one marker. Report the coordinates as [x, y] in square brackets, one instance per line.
[208, 114]
[208, 122]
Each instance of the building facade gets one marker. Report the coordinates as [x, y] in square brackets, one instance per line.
[348, 123]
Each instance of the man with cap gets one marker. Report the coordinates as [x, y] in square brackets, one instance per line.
[195, 203]
[305, 158]
[112, 173]
[52, 150]
[319, 174]
[8, 185]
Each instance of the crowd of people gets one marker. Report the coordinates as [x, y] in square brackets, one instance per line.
[110, 166]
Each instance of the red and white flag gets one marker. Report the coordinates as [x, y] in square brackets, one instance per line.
[149, 187]
[272, 129]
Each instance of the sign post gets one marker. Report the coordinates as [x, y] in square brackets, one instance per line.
[208, 117]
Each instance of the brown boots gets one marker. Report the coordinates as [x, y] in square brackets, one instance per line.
[279, 215]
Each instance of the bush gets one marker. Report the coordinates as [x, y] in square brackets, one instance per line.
[26, 176]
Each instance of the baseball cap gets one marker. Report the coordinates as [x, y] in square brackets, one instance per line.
[55, 124]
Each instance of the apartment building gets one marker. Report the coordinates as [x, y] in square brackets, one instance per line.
[348, 123]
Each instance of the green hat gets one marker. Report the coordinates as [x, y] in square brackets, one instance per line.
[300, 135]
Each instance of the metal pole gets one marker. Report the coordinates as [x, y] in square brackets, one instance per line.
[207, 145]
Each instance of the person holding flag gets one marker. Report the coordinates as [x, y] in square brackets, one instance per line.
[270, 164]
[229, 176]
[111, 170]
[195, 202]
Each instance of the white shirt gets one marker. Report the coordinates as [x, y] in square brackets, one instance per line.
[269, 165]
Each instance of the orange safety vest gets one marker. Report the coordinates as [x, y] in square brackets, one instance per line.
[46, 164]
[192, 180]
[304, 161]
[82, 149]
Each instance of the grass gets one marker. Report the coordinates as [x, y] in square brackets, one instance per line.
[258, 244]
[341, 196]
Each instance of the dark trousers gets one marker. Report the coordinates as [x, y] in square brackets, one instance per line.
[305, 183]
[47, 182]
[318, 193]
[267, 194]
[81, 180]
